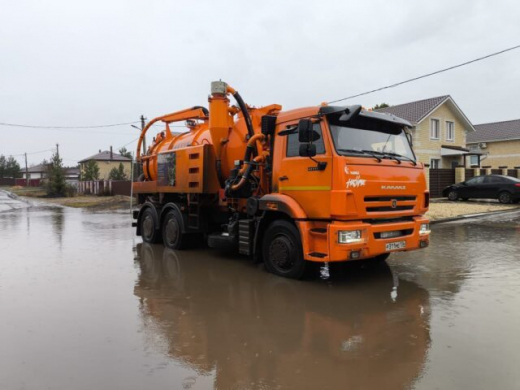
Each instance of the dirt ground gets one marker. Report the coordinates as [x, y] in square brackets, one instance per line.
[91, 202]
[442, 209]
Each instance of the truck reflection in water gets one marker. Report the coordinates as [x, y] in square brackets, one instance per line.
[250, 329]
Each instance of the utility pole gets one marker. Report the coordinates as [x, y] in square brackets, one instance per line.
[26, 172]
[142, 128]
[58, 150]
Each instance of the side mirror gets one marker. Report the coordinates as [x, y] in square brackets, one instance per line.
[410, 138]
[307, 150]
[305, 132]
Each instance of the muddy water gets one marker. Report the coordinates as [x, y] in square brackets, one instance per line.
[85, 305]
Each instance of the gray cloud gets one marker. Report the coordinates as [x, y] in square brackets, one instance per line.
[95, 62]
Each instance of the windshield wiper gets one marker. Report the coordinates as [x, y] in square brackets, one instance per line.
[400, 155]
[369, 152]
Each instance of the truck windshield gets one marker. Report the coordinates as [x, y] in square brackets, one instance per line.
[391, 143]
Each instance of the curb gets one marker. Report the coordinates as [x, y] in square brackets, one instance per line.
[467, 216]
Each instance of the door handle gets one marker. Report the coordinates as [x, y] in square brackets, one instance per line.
[282, 178]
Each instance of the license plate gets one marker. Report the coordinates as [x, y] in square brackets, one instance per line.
[392, 246]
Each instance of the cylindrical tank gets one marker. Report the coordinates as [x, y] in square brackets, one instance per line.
[232, 144]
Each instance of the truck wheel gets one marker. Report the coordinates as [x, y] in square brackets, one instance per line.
[149, 227]
[453, 195]
[173, 237]
[504, 197]
[282, 250]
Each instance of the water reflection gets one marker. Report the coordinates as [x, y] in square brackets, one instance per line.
[226, 318]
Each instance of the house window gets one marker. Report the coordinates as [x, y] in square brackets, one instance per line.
[473, 160]
[434, 129]
[435, 163]
[450, 131]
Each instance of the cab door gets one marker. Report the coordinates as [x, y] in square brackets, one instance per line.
[299, 178]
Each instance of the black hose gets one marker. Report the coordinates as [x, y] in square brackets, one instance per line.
[247, 118]
[220, 177]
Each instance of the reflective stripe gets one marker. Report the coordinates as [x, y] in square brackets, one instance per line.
[305, 188]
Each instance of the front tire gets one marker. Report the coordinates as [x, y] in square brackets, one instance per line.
[149, 225]
[453, 195]
[282, 250]
[504, 197]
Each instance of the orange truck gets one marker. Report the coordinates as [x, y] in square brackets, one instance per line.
[290, 188]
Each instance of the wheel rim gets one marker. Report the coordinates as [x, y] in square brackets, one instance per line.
[281, 253]
[171, 232]
[452, 195]
[505, 198]
[148, 227]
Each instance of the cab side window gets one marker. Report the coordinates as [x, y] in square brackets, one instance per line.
[293, 145]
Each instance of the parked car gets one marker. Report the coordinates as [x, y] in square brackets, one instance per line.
[504, 188]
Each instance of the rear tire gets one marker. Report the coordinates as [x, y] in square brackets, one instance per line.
[453, 195]
[149, 225]
[282, 250]
[504, 197]
[172, 235]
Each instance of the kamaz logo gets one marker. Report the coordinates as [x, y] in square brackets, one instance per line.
[393, 187]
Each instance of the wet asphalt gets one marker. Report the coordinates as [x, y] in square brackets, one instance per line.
[84, 304]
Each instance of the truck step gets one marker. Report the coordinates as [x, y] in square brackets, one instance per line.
[245, 236]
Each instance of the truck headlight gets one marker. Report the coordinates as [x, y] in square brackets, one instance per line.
[425, 229]
[349, 236]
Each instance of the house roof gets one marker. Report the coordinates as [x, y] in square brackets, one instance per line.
[105, 156]
[496, 131]
[416, 112]
[71, 171]
[37, 169]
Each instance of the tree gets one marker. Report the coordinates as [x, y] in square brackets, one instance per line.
[56, 184]
[125, 153]
[382, 105]
[91, 171]
[11, 168]
[118, 173]
[2, 166]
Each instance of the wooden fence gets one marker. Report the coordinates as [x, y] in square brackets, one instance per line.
[469, 173]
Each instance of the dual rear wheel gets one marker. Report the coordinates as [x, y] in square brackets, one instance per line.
[170, 232]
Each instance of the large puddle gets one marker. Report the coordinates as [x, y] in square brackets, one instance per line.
[85, 305]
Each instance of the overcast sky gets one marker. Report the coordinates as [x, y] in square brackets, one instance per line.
[77, 63]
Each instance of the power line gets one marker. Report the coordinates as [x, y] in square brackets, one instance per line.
[428, 74]
[66, 127]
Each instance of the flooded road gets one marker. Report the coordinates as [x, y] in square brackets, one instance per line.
[85, 305]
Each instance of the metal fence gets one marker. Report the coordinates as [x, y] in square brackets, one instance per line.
[105, 187]
[469, 173]
[512, 172]
[439, 179]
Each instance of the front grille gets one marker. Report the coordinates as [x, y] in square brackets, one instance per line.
[388, 198]
[388, 208]
[401, 233]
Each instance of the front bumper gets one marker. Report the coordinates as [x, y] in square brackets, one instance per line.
[370, 245]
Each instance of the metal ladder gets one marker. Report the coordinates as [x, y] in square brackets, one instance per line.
[194, 211]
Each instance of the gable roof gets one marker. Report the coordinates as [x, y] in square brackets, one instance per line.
[105, 156]
[416, 112]
[37, 169]
[496, 131]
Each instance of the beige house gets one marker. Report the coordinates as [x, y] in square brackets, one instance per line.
[499, 143]
[106, 161]
[439, 131]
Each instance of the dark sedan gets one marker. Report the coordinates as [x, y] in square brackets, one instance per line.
[504, 188]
